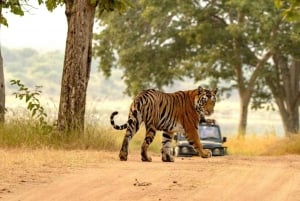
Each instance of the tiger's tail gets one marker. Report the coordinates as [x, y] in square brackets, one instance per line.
[112, 122]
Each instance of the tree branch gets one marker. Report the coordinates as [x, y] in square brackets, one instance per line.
[258, 67]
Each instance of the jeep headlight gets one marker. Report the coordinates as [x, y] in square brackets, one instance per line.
[216, 151]
[184, 150]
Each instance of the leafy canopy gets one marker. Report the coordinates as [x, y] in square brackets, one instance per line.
[290, 9]
[161, 41]
[18, 7]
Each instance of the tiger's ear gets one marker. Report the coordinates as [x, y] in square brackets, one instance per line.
[215, 91]
[200, 90]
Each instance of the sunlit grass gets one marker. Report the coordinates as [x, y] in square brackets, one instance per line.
[25, 133]
[267, 145]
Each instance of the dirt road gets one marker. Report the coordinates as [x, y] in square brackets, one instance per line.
[218, 178]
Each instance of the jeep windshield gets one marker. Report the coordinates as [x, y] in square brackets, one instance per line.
[209, 133]
[206, 132]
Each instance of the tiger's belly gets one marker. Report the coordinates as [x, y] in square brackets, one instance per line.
[172, 128]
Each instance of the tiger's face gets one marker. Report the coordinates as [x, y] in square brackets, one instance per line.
[205, 101]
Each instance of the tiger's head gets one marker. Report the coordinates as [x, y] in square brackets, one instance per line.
[205, 101]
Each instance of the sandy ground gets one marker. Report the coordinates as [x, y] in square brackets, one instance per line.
[90, 175]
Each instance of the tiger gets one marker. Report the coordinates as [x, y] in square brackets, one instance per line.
[180, 111]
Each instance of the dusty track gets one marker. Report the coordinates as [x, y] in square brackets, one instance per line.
[219, 178]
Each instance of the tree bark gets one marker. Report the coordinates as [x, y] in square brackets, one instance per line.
[2, 91]
[244, 103]
[286, 91]
[77, 63]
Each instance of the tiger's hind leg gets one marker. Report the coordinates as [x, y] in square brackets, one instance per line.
[166, 149]
[124, 149]
[132, 128]
[150, 134]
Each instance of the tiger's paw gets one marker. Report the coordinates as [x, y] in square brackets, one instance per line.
[167, 158]
[166, 155]
[146, 158]
[123, 156]
[206, 153]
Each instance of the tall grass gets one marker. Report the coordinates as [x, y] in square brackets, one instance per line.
[26, 133]
[267, 145]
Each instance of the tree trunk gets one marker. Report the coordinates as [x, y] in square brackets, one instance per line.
[284, 83]
[77, 63]
[290, 121]
[245, 87]
[246, 91]
[2, 91]
[244, 103]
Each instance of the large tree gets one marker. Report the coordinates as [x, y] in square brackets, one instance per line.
[282, 76]
[284, 84]
[219, 40]
[78, 55]
[80, 17]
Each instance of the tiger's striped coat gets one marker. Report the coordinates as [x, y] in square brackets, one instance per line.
[168, 112]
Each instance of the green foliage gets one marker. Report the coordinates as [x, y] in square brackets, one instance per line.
[32, 101]
[14, 6]
[3, 20]
[290, 9]
[169, 40]
[148, 60]
[108, 5]
[18, 7]
[52, 4]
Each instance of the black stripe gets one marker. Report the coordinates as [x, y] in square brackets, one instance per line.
[166, 136]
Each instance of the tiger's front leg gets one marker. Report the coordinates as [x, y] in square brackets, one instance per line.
[193, 138]
[150, 134]
[166, 149]
[204, 153]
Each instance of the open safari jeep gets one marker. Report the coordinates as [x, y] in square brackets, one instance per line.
[210, 137]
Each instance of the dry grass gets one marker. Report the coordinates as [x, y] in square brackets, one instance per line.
[26, 134]
[267, 145]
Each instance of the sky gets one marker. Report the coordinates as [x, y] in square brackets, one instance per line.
[38, 28]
